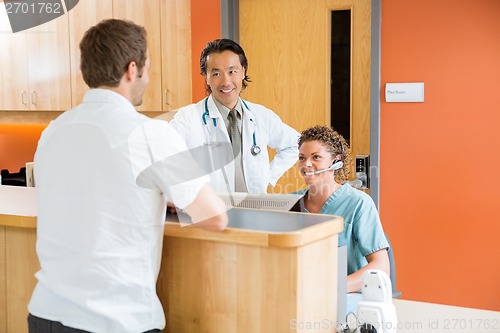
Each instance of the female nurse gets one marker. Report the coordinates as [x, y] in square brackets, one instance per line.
[324, 162]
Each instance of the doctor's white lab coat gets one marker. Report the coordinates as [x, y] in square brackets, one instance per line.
[269, 131]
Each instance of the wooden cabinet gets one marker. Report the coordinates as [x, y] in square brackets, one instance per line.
[3, 283]
[43, 71]
[176, 56]
[86, 14]
[19, 278]
[168, 25]
[18, 259]
[35, 67]
[146, 14]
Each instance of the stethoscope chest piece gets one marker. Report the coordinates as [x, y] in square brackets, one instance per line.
[255, 150]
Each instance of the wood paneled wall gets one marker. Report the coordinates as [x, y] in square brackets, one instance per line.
[288, 48]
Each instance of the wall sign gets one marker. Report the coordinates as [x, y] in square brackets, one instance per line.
[404, 92]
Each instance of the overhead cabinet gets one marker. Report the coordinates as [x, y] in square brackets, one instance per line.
[42, 70]
[86, 14]
[35, 67]
[168, 27]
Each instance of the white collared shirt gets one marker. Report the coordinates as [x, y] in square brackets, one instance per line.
[101, 213]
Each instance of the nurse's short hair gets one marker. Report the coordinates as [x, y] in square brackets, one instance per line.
[219, 46]
[335, 144]
[108, 48]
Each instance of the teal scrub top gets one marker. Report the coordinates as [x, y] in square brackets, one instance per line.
[363, 233]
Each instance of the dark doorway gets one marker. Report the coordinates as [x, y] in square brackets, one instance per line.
[341, 73]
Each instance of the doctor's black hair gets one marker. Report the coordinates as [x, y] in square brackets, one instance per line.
[219, 46]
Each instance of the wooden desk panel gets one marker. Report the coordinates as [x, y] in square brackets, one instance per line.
[238, 280]
[209, 286]
[266, 271]
[3, 283]
[21, 266]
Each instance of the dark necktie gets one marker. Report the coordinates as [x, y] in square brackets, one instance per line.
[234, 134]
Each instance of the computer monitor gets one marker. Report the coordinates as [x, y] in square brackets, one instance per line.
[282, 202]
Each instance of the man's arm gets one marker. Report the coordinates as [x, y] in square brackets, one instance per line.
[208, 211]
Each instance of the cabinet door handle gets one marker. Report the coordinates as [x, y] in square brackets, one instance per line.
[33, 97]
[23, 97]
[166, 91]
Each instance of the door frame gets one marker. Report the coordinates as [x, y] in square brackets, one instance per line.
[374, 170]
[230, 29]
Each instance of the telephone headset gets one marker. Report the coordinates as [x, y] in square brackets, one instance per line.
[337, 164]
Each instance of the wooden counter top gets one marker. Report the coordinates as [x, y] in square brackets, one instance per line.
[265, 228]
[18, 208]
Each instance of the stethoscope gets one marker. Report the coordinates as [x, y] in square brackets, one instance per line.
[255, 150]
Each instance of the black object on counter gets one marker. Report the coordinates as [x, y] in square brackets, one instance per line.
[14, 179]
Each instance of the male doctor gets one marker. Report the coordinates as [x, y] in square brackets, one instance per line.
[249, 128]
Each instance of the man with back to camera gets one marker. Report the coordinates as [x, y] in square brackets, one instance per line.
[224, 117]
[104, 174]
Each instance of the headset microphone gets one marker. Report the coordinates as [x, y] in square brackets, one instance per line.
[335, 166]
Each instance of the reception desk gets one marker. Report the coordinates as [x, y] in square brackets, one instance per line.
[267, 272]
